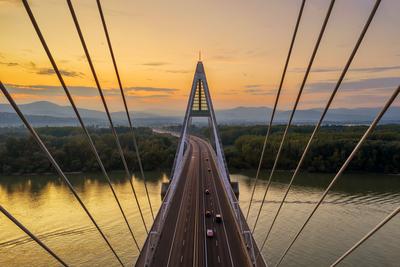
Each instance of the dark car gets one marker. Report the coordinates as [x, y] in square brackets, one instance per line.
[218, 218]
[208, 213]
[207, 192]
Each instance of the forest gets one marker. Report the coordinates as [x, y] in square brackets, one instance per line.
[242, 144]
[19, 152]
[332, 145]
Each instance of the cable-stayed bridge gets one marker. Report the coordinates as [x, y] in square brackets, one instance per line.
[200, 222]
[200, 194]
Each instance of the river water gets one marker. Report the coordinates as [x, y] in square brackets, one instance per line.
[45, 206]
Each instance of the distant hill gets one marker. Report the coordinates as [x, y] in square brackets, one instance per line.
[47, 113]
[252, 115]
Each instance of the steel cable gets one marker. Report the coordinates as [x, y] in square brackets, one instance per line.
[275, 105]
[125, 105]
[114, 132]
[86, 132]
[31, 235]
[368, 235]
[55, 164]
[344, 166]
[345, 69]
[310, 63]
[315, 49]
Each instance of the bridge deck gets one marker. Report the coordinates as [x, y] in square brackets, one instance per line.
[183, 241]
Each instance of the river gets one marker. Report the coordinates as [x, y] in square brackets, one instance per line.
[45, 206]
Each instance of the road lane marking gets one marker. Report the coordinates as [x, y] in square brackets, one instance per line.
[223, 222]
[179, 212]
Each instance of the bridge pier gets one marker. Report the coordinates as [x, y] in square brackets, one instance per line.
[235, 188]
[164, 189]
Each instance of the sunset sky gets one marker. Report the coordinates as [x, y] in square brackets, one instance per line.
[243, 44]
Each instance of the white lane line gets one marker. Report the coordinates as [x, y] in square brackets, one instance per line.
[176, 226]
[204, 217]
[223, 223]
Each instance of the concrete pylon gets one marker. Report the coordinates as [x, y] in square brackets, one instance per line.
[200, 105]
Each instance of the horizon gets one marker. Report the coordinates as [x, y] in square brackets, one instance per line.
[243, 51]
[222, 109]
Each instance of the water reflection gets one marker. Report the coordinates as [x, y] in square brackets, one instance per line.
[45, 205]
[356, 204]
[35, 184]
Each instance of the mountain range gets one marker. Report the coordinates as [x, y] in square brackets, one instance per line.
[46, 113]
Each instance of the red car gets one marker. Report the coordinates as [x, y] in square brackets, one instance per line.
[210, 233]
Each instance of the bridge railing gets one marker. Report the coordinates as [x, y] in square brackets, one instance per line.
[158, 225]
[240, 219]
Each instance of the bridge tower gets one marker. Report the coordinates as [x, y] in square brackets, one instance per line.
[164, 229]
[200, 106]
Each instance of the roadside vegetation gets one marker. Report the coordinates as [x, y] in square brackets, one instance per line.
[242, 144]
[329, 150]
[19, 153]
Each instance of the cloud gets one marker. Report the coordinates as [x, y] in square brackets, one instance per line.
[155, 64]
[51, 90]
[178, 71]
[253, 86]
[364, 70]
[10, 1]
[49, 71]
[9, 64]
[224, 57]
[152, 89]
[376, 69]
[88, 91]
[258, 91]
[146, 96]
[357, 85]
[32, 67]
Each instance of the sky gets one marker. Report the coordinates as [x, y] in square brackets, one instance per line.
[243, 45]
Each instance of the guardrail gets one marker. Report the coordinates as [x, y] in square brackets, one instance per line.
[154, 234]
[241, 221]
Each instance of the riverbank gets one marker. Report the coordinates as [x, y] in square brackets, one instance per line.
[19, 154]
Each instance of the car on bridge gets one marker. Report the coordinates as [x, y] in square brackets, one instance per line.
[207, 192]
[208, 213]
[210, 233]
[218, 218]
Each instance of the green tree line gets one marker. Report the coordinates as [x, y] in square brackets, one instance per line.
[19, 152]
[332, 145]
[242, 144]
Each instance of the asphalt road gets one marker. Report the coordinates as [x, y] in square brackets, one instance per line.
[183, 241]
